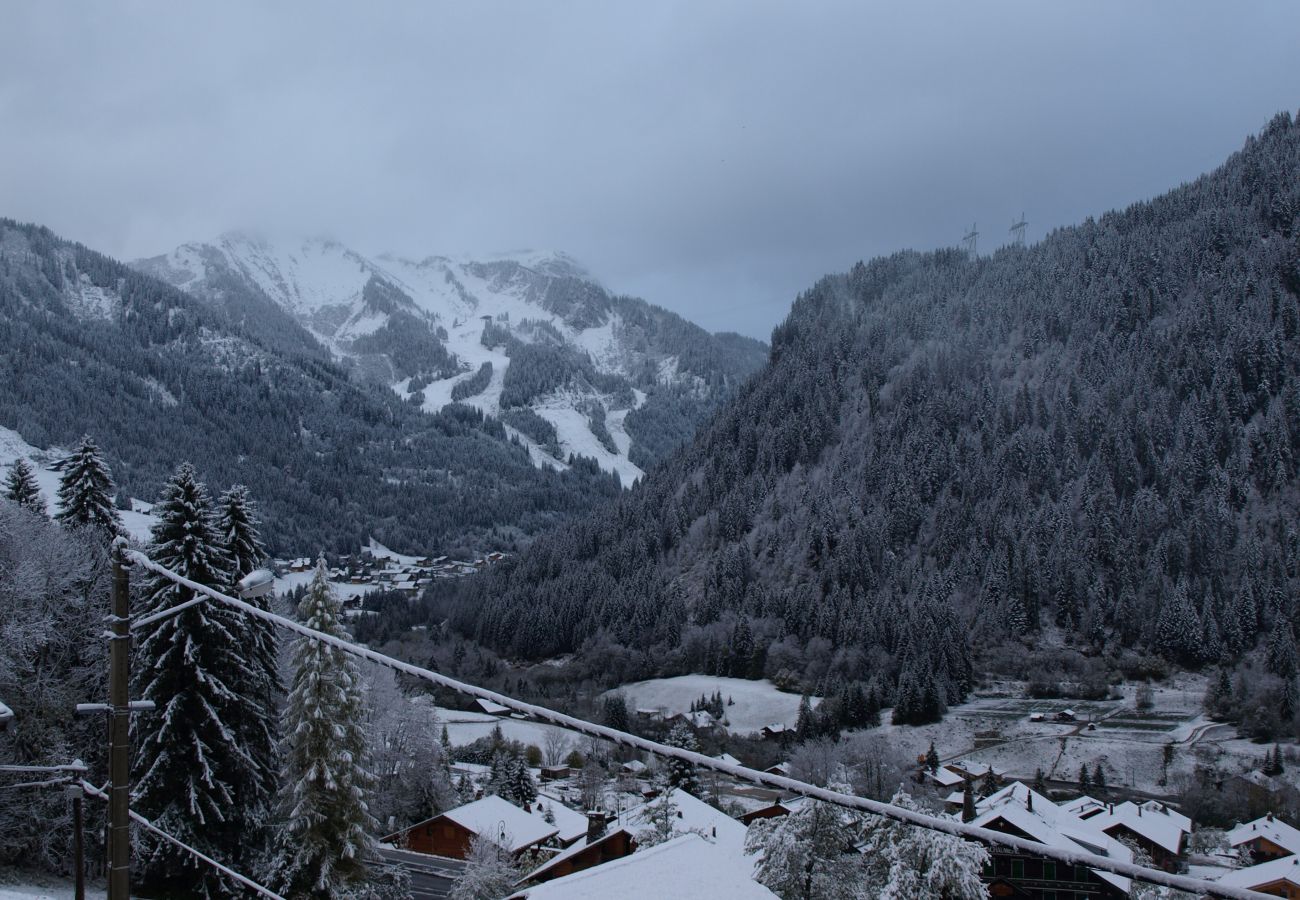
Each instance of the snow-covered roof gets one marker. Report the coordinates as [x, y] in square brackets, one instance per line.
[969, 767]
[1270, 828]
[571, 823]
[684, 868]
[946, 777]
[1183, 822]
[1049, 824]
[495, 709]
[1159, 828]
[1084, 807]
[693, 814]
[1285, 869]
[728, 758]
[490, 815]
[635, 766]
[569, 852]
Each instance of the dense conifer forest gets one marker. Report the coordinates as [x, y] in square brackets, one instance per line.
[1093, 438]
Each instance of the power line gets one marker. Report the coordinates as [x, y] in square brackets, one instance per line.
[67, 779]
[141, 820]
[849, 801]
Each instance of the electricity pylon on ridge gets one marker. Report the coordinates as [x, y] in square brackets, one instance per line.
[970, 240]
[1018, 231]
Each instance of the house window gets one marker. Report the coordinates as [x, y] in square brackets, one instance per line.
[1049, 872]
[1017, 868]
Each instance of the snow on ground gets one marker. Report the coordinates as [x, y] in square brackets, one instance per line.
[757, 703]
[1128, 743]
[379, 551]
[138, 522]
[290, 580]
[43, 888]
[466, 727]
[576, 438]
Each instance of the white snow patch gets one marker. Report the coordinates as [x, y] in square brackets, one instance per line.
[758, 703]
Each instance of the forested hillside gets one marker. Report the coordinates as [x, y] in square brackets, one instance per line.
[1099, 432]
[88, 345]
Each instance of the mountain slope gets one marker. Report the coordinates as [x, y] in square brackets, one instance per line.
[1099, 432]
[530, 339]
[157, 376]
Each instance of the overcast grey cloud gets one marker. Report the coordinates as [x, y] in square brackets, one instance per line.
[714, 157]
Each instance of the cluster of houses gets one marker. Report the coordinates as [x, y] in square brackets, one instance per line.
[597, 853]
[1270, 846]
[409, 575]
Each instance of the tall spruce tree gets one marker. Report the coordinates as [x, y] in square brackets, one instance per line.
[681, 773]
[21, 487]
[86, 490]
[241, 543]
[195, 775]
[327, 838]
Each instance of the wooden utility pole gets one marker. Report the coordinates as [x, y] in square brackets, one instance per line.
[76, 794]
[119, 735]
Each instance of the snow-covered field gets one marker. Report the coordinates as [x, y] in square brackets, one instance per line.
[757, 703]
[138, 522]
[1127, 743]
[467, 727]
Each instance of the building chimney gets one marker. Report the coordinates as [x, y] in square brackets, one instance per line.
[1029, 801]
[596, 821]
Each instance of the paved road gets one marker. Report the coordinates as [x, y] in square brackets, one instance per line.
[431, 876]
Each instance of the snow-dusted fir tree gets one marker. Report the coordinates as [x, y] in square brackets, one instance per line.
[490, 872]
[681, 773]
[809, 853]
[905, 861]
[195, 775]
[510, 779]
[86, 490]
[21, 487]
[659, 816]
[241, 542]
[327, 835]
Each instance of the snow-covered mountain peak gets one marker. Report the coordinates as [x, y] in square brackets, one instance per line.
[528, 337]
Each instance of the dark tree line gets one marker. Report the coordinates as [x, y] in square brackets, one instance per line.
[1098, 432]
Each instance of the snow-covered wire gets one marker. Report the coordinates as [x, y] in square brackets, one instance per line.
[141, 820]
[67, 779]
[170, 611]
[75, 768]
[849, 801]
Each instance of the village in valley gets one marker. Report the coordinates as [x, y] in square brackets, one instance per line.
[583, 819]
[376, 568]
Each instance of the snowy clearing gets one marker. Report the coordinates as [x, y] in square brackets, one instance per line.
[466, 727]
[757, 703]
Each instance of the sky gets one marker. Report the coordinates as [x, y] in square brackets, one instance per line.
[713, 157]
